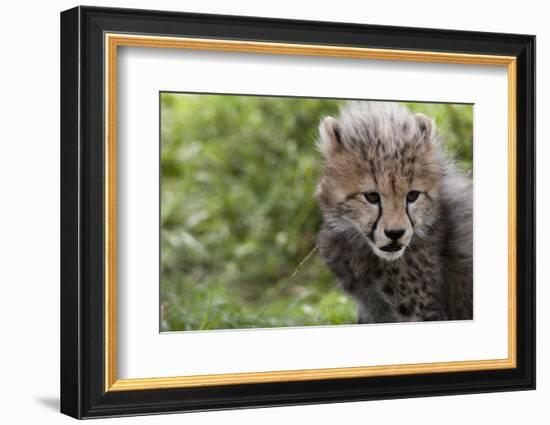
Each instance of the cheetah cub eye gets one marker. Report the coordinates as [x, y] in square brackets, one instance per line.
[372, 197]
[412, 196]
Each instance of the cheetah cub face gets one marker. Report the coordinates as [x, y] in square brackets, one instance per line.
[382, 165]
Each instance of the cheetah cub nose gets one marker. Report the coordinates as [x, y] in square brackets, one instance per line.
[394, 234]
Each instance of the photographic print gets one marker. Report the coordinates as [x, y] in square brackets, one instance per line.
[285, 211]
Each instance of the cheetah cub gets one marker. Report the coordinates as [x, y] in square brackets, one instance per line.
[397, 215]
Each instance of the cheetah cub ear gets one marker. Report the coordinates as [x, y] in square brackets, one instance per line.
[330, 137]
[426, 127]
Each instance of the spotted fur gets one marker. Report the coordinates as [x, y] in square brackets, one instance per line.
[408, 256]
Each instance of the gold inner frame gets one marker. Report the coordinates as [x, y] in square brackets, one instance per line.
[113, 41]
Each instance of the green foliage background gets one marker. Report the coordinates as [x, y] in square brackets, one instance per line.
[238, 174]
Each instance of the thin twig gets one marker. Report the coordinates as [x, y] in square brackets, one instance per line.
[294, 273]
[306, 258]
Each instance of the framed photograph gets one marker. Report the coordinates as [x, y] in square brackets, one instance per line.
[261, 212]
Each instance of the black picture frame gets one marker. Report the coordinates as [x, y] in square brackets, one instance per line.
[83, 392]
